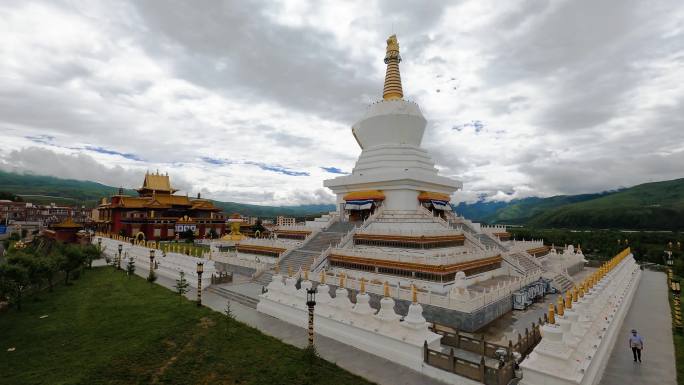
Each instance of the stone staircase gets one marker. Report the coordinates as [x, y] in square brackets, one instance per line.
[562, 283]
[487, 241]
[265, 278]
[526, 263]
[225, 292]
[303, 256]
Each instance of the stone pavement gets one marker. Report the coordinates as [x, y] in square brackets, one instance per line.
[650, 315]
[366, 365]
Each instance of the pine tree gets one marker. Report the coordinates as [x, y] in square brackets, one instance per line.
[130, 266]
[182, 284]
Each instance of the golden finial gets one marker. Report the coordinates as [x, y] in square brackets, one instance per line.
[392, 89]
[323, 277]
[575, 294]
[581, 290]
[341, 280]
[568, 300]
[386, 287]
[414, 293]
[306, 274]
[552, 318]
[363, 286]
[561, 306]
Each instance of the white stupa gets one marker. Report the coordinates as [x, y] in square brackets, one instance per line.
[392, 165]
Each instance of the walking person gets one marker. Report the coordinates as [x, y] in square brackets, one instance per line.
[636, 343]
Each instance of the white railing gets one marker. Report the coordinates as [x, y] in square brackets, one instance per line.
[270, 243]
[474, 240]
[470, 302]
[429, 213]
[411, 233]
[318, 262]
[525, 245]
[261, 262]
[419, 258]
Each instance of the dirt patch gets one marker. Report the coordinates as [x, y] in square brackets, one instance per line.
[206, 322]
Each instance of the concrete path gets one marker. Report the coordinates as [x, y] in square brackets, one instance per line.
[366, 365]
[650, 315]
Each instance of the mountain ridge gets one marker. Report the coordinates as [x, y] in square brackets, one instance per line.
[651, 206]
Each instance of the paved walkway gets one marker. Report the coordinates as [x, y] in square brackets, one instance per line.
[361, 363]
[650, 315]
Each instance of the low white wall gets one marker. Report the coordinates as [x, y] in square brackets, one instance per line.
[169, 266]
[576, 349]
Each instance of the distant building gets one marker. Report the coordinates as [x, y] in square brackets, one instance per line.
[65, 231]
[157, 214]
[285, 221]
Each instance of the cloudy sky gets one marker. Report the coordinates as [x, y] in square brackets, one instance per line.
[253, 101]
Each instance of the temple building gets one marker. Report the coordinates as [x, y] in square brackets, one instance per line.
[157, 214]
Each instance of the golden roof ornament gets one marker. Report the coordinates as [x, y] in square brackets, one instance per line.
[323, 277]
[568, 300]
[386, 287]
[306, 274]
[392, 89]
[341, 285]
[363, 286]
[561, 306]
[414, 294]
[552, 318]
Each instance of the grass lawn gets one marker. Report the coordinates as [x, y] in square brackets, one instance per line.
[109, 329]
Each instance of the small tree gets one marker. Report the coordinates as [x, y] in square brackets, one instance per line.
[13, 280]
[47, 267]
[130, 267]
[91, 253]
[182, 284]
[188, 235]
[72, 258]
[229, 318]
[213, 234]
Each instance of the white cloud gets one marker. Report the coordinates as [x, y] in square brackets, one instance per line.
[247, 101]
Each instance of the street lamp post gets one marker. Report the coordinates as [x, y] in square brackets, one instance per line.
[151, 262]
[118, 260]
[310, 303]
[200, 270]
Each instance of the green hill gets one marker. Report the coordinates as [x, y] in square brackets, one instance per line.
[655, 206]
[46, 189]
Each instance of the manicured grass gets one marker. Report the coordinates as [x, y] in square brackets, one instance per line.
[108, 329]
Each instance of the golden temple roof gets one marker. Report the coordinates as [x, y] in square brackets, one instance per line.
[157, 182]
[68, 223]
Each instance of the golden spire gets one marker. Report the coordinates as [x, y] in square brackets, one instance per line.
[363, 286]
[561, 306]
[323, 277]
[387, 294]
[414, 293]
[568, 299]
[341, 285]
[552, 318]
[306, 274]
[392, 89]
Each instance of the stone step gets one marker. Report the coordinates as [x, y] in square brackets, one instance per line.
[234, 296]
